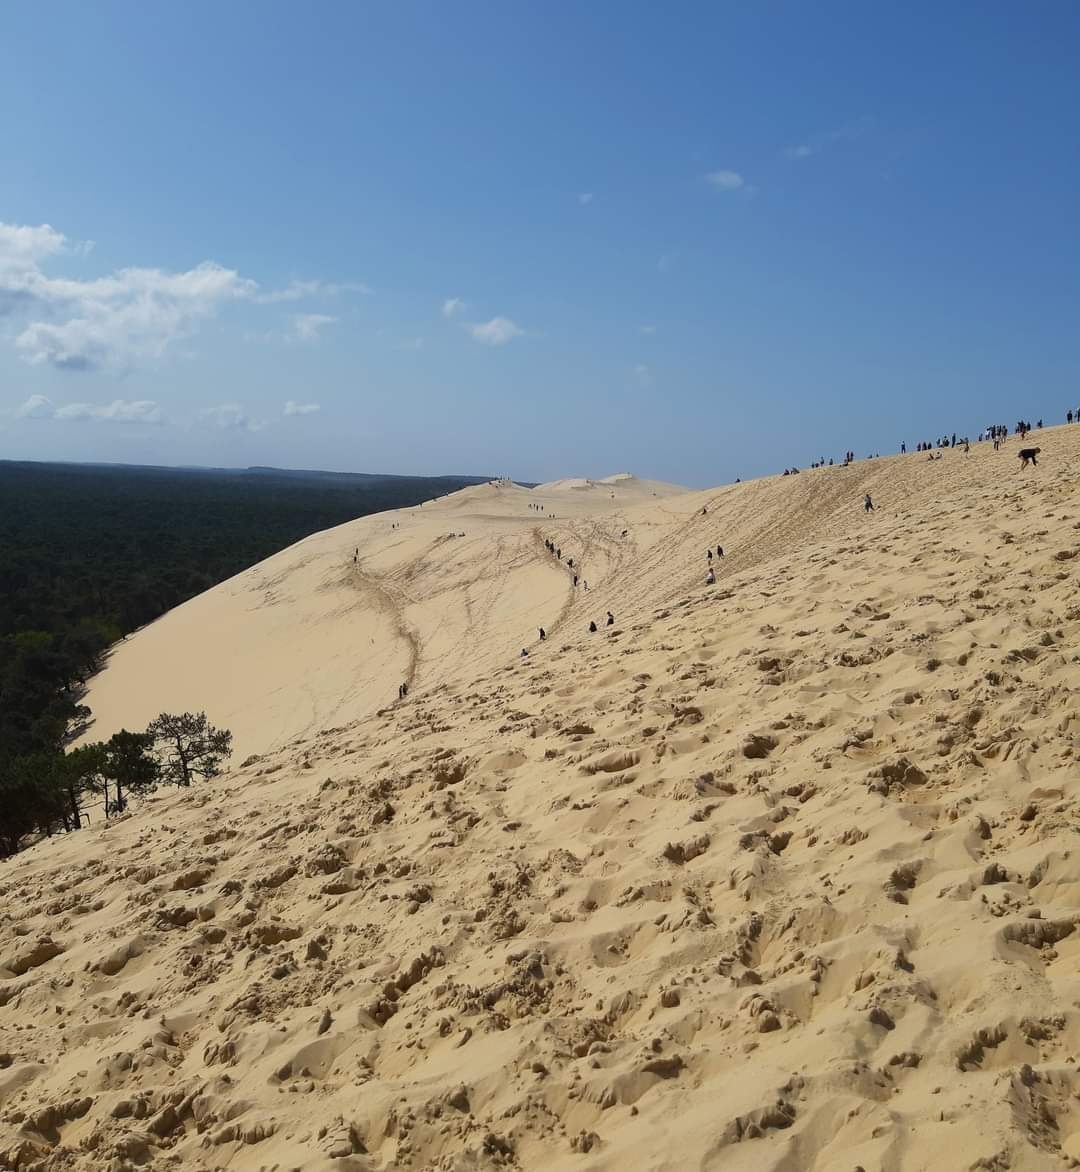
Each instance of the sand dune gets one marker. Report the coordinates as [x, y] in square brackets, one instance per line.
[779, 873]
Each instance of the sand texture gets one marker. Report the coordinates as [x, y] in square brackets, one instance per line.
[778, 874]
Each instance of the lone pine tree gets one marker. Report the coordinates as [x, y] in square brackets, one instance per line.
[189, 746]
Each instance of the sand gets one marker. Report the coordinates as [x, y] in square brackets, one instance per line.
[779, 873]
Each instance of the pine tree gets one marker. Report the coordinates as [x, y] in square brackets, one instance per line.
[189, 746]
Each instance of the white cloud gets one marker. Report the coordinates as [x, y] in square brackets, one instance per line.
[230, 417]
[496, 332]
[22, 247]
[306, 326]
[585, 198]
[725, 180]
[452, 306]
[113, 321]
[36, 407]
[292, 408]
[118, 411]
[299, 290]
[816, 143]
[129, 316]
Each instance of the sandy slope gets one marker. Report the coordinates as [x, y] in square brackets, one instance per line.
[779, 874]
[310, 638]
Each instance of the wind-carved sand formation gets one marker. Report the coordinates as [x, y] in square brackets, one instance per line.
[780, 873]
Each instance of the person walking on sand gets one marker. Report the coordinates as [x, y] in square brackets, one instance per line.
[868, 504]
[710, 577]
[543, 634]
[592, 628]
[719, 551]
[610, 619]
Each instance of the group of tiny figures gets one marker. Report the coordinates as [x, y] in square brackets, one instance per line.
[593, 628]
[552, 548]
[944, 442]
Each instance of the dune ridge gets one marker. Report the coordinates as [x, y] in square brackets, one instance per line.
[779, 873]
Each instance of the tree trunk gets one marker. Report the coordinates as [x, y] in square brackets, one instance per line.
[76, 813]
[185, 772]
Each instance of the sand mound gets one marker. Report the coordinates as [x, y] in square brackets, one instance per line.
[775, 874]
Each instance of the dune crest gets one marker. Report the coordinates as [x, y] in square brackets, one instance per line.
[774, 874]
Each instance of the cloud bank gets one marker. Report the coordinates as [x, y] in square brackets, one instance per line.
[129, 317]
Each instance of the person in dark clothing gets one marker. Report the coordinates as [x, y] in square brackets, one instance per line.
[709, 555]
[1028, 454]
[592, 628]
[868, 504]
[610, 619]
[719, 551]
[543, 634]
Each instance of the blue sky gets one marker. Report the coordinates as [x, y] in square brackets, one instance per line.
[692, 241]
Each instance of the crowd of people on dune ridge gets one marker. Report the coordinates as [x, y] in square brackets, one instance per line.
[996, 433]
